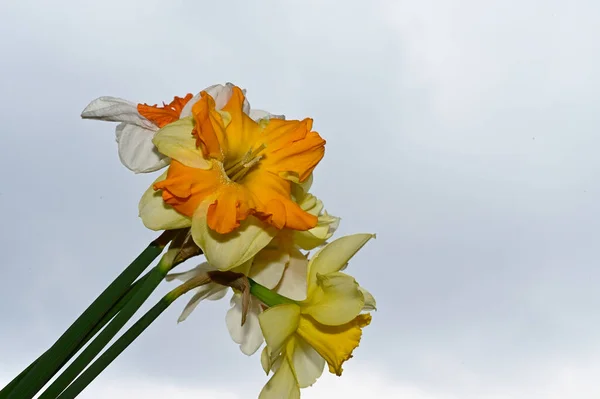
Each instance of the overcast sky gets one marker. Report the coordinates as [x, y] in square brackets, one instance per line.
[463, 133]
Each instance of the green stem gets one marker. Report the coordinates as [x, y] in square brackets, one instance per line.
[266, 296]
[156, 275]
[124, 341]
[107, 317]
[43, 369]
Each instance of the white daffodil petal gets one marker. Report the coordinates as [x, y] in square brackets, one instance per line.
[277, 324]
[226, 251]
[370, 303]
[115, 109]
[307, 363]
[136, 150]
[186, 111]
[220, 93]
[185, 276]
[156, 215]
[282, 385]
[258, 114]
[293, 281]
[335, 301]
[268, 266]
[175, 140]
[334, 256]
[210, 290]
[249, 335]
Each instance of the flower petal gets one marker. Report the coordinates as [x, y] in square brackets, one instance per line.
[185, 276]
[156, 215]
[175, 140]
[334, 343]
[335, 301]
[293, 281]
[307, 363]
[278, 324]
[265, 360]
[136, 150]
[220, 93]
[211, 291]
[282, 385]
[226, 251]
[310, 239]
[370, 303]
[335, 255]
[115, 109]
[268, 266]
[258, 114]
[249, 335]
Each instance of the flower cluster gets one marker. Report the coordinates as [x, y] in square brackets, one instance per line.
[240, 180]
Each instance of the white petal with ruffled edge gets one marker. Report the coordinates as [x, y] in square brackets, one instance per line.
[249, 336]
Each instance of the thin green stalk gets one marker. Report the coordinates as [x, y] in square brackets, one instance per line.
[268, 297]
[125, 340]
[107, 317]
[156, 275]
[45, 367]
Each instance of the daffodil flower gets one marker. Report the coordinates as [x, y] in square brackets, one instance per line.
[140, 122]
[280, 266]
[324, 328]
[231, 179]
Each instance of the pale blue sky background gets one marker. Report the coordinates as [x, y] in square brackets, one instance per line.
[464, 133]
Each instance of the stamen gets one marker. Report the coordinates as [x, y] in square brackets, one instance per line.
[239, 169]
[246, 169]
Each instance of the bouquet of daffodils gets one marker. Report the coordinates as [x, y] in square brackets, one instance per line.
[236, 190]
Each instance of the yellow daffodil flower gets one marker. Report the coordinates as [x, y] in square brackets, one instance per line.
[324, 328]
[231, 179]
[280, 266]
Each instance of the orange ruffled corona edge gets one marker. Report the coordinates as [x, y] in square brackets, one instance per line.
[168, 113]
[252, 167]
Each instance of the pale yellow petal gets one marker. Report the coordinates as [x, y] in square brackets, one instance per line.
[226, 251]
[310, 239]
[176, 141]
[370, 303]
[265, 360]
[334, 343]
[335, 255]
[335, 300]
[268, 266]
[282, 385]
[278, 324]
[156, 215]
[307, 363]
